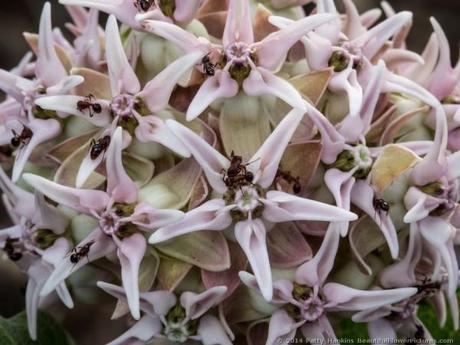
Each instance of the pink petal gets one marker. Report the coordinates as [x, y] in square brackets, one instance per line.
[251, 235]
[176, 35]
[272, 50]
[186, 10]
[340, 185]
[212, 215]
[78, 199]
[211, 161]
[362, 196]
[433, 165]
[130, 253]
[264, 82]
[282, 289]
[49, 217]
[267, 159]
[13, 85]
[282, 328]
[238, 27]
[102, 246]
[147, 328]
[15, 231]
[21, 200]
[124, 10]
[197, 304]
[49, 68]
[373, 40]
[38, 274]
[342, 297]
[442, 241]
[157, 92]
[119, 185]
[212, 332]
[123, 79]
[381, 329]
[67, 105]
[43, 130]
[315, 271]
[145, 216]
[87, 167]
[221, 85]
[152, 128]
[283, 207]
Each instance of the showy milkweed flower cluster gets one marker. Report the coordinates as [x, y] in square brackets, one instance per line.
[235, 171]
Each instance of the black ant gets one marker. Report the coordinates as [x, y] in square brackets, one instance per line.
[237, 175]
[294, 181]
[13, 255]
[381, 205]
[89, 104]
[428, 287]
[21, 139]
[208, 67]
[143, 5]
[79, 252]
[99, 146]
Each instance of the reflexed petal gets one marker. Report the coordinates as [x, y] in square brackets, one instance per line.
[263, 82]
[145, 216]
[238, 27]
[122, 76]
[272, 50]
[315, 271]
[211, 331]
[211, 161]
[212, 215]
[130, 252]
[102, 246]
[341, 297]
[176, 35]
[283, 207]
[251, 235]
[38, 274]
[78, 199]
[363, 196]
[381, 329]
[21, 200]
[67, 104]
[186, 10]
[43, 130]
[267, 159]
[197, 304]
[347, 82]
[373, 40]
[12, 85]
[119, 185]
[49, 68]
[442, 241]
[221, 85]
[142, 332]
[87, 167]
[282, 328]
[152, 128]
[157, 92]
[15, 231]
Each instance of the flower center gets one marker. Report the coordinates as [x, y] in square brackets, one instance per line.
[446, 193]
[238, 53]
[312, 308]
[306, 305]
[123, 105]
[110, 222]
[176, 327]
[247, 199]
[356, 157]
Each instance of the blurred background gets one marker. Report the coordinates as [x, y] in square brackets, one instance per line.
[17, 16]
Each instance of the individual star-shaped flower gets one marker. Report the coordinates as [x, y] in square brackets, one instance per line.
[126, 105]
[239, 62]
[306, 302]
[25, 125]
[121, 222]
[176, 319]
[245, 199]
[127, 11]
[34, 242]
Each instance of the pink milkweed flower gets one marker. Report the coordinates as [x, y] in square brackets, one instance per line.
[347, 56]
[129, 107]
[251, 204]
[34, 242]
[27, 125]
[306, 302]
[121, 220]
[242, 63]
[175, 319]
[181, 11]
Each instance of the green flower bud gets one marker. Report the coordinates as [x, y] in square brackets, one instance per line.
[339, 61]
